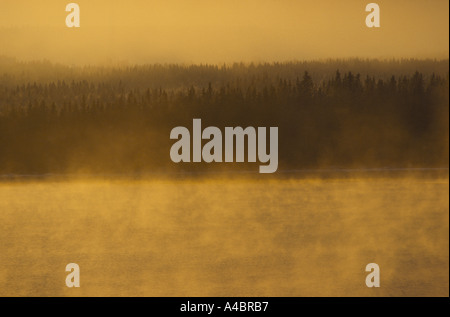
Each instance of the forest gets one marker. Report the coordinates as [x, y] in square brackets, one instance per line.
[57, 119]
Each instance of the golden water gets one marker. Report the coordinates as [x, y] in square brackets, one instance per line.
[225, 237]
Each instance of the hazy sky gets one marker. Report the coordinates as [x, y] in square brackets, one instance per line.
[217, 31]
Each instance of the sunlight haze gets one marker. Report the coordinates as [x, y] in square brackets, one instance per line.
[199, 31]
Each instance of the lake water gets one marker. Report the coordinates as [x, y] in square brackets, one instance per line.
[240, 237]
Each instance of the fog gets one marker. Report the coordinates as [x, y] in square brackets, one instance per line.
[309, 230]
[200, 31]
[217, 237]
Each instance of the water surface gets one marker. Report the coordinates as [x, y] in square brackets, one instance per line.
[304, 237]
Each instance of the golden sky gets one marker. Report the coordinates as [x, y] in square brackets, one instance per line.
[218, 31]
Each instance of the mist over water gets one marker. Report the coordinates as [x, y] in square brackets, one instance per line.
[85, 173]
[224, 237]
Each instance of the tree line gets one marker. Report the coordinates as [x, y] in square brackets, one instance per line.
[118, 120]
